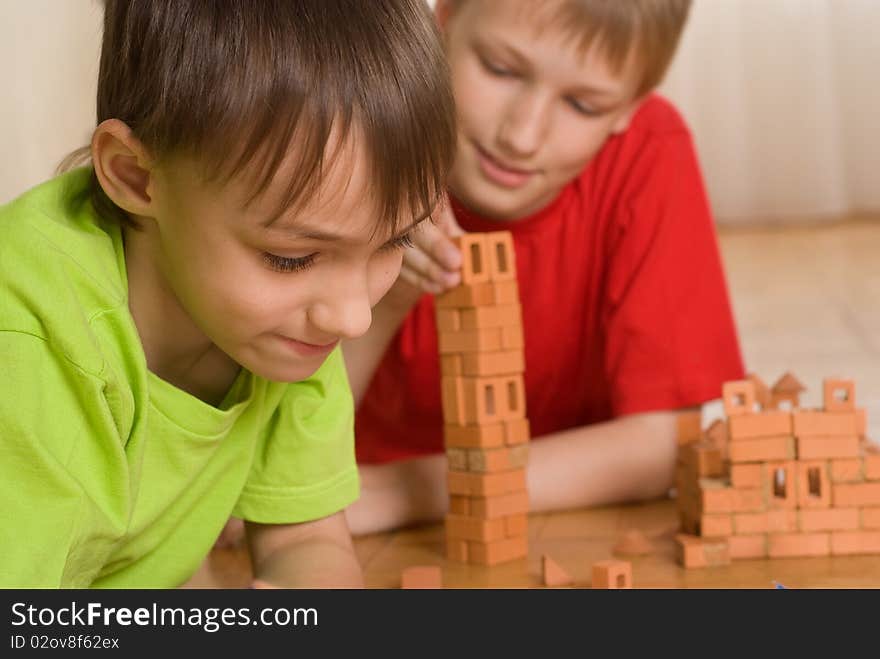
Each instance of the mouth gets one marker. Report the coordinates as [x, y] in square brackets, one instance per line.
[501, 173]
[308, 349]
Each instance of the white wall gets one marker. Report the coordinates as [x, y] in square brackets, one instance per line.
[782, 96]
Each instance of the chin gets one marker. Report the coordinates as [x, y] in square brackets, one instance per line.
[279, 372]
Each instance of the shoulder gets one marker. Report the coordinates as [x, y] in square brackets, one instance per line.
[58, 267]
[658, 117]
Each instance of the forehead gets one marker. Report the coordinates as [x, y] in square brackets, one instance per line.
[545, 33]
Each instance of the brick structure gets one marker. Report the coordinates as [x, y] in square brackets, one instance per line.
[770, 482]
[486, 433]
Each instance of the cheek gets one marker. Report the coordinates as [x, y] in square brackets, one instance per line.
[572, 148]
[382, 273]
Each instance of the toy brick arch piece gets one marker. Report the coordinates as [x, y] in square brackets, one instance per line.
[475, 267]
[839, 395]
[502, 258]
[787, 389]
[762, 391]
[739, 397]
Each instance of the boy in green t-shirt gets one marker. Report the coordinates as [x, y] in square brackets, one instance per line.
[169, 316]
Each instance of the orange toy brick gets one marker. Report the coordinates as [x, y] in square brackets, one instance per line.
[790, 545]
[827, 448]
[467, 341]
[739, 397]
[495, 316]
[552, 573]
[847, 470]
[500, 551]
[855, 542]
[457, 550]
[516, 431]
[813, 485]
[475, 528]
[497, 459]
[469, 295]
[763, 396]
[771, 521]
[772, 423]
[503, 505]
[746, 475]
[856, 494]
[502, 257]
[870, 518]
[486, 485]
[871, 462]
[747, 546]
[813, 423]
[615, 575]
[487, 436]
[715, 526]
[503, 362]
[829, 519]
[688, 426]
[505, 292]
[421, 576]
[761, 449]
[839, 395]
[512, 337]
[474, 258]
[703, 459]
[782, 484]
[694, 552]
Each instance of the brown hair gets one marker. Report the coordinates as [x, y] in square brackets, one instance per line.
[232, 82]
[648, 31]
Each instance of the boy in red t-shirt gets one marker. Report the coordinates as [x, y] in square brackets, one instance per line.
[625, 308]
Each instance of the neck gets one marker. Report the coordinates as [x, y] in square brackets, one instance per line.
[176, 349]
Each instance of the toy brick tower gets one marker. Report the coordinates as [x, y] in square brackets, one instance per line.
[771, 482]
[486, 434]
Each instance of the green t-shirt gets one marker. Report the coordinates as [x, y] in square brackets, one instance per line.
[110, 476]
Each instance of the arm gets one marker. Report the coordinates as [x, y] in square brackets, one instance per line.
[316, 554]
[627, 459]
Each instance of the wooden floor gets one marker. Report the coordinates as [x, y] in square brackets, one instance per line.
[806, 300]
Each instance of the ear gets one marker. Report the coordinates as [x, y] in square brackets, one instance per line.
[622, 122]
[442, 13]
[123, 167]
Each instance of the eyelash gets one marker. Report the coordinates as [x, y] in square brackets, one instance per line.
[297, 264]
[499, 71]
[288, 264]
[580, 109]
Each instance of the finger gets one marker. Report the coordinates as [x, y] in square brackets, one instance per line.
[430, 269]
[419, 281]
[438, 246]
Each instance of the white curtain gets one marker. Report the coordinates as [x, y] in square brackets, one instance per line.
[783, 97]
[48, 75]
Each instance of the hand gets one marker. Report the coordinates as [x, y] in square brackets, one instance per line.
[433, 264]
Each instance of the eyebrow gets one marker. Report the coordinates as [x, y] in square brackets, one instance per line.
[523, 60]
[315, 234]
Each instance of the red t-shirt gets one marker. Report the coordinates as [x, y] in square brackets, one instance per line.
[624, 300]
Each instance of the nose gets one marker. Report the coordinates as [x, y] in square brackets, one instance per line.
[343, 310]
[523, 125]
